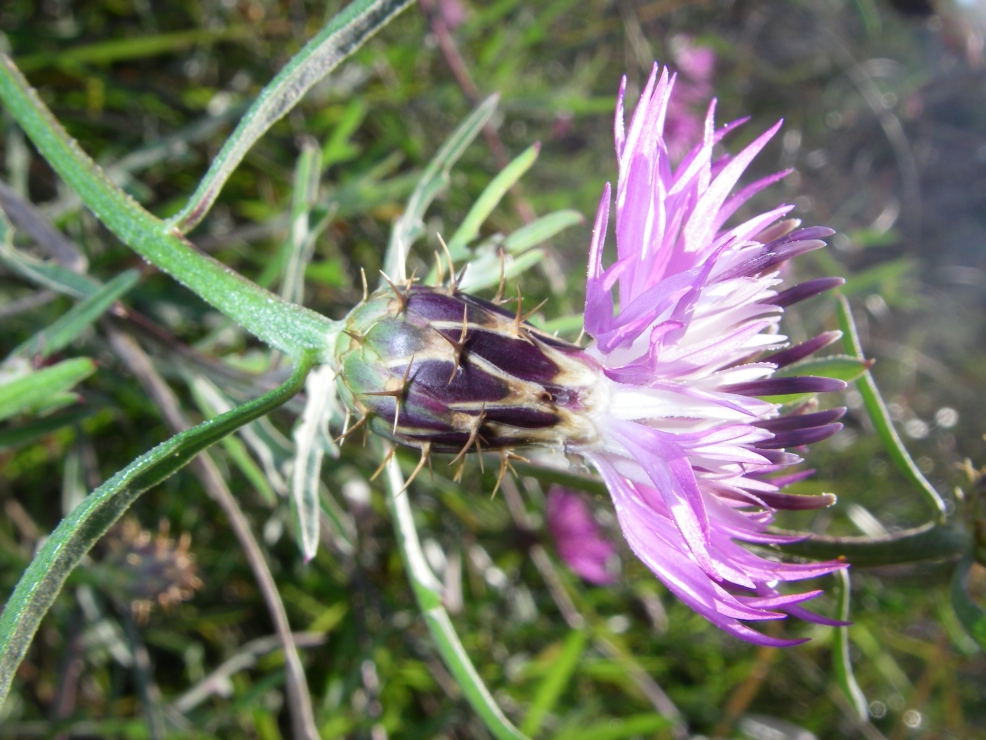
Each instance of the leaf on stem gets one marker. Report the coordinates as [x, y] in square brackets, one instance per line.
[344, 34]
[78, 532]
[880, 416]
[282, 325]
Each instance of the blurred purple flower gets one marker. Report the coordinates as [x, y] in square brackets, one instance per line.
[696, 64]
[578, 539]
[453, 12]
[681, 439]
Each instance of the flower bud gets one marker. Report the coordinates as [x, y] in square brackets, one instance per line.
[433, 367]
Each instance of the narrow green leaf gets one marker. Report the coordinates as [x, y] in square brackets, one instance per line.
[488, 264]
[878, 278]
[204, 394]
[840, 367]
[337, 147]
[636, 725]
[284, 326]
[971, 615]
[269, 446]
[37, 388]
[410, 226]
[551, 688]
[343, 35]
[879, 415]
[928, 542]
[65, 329]
[307, 174]
[840, 651]
[78, 532]
[139, 47]
[427, 590]
[541, 230]
[23, 434]
[46, 274]
[488, 200]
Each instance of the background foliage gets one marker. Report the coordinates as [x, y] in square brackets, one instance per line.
[886, 129]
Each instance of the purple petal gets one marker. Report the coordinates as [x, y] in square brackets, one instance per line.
[799, 437]
[801, 421]
[805, 290]
[794, 502]
[786, 386]
[805, 349]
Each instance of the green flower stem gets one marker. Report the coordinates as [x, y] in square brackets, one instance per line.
[284, 326]
[427, 591]
[79, 531]
[877, 410]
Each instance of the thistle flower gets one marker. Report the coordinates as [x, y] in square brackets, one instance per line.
[663, 402]
[577, 537]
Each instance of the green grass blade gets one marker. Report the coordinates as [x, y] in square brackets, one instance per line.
[78, 532]
[643, 725]
[38, 388]
[344, 34]
[284, 326]
[46, 274]
[139, 47]
[489, 199]
[427, 591]
[551, 688]
[65, 329]
[971, 615]
[877, 410]
[24, 434]
[488, 263]
[541, 230]
[840, 367]
[840, 652]
[307, 173]
[338, 148]
[205, 394]
[410, 226]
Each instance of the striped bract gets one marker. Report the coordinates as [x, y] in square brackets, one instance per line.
[434, 367]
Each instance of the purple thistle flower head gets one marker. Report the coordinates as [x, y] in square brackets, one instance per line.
[578, 539]
[665, 400]
[684, 444]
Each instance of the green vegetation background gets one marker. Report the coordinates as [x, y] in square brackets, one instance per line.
[886, 129]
